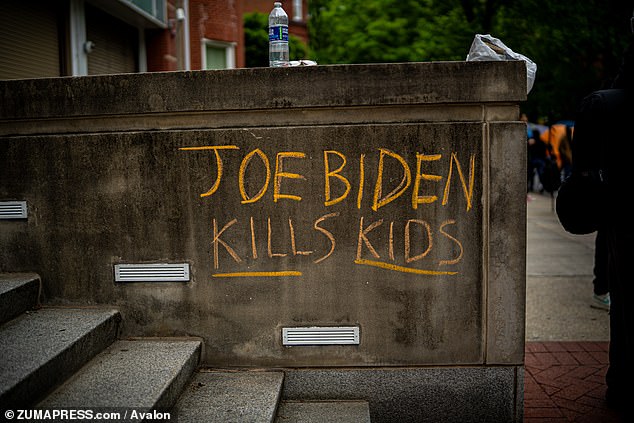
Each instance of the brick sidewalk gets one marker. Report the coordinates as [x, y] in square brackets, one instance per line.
[565, 382]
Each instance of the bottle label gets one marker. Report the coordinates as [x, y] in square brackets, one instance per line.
[278, 33]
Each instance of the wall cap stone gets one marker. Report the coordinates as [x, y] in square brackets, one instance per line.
[266, 88]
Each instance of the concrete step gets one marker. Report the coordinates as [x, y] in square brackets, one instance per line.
[323, 411]
[139, 374]
[240, 397]
[19, 292]
[41, 348]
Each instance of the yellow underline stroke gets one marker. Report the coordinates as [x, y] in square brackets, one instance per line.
[257, 274]
[403, 269]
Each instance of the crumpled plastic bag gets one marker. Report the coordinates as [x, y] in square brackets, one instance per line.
[302, 62]
[486, 47]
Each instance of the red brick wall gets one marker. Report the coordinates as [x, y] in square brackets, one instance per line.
[219, 20]
[160, 45]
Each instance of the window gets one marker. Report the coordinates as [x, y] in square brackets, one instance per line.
[218, 55]
[154, 8]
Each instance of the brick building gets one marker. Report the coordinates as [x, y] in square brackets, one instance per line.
[44, 38]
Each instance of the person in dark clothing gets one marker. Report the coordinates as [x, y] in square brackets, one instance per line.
[551, 175]
[619, 232]
[536, 158]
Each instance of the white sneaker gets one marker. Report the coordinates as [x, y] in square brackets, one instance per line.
[601, 301]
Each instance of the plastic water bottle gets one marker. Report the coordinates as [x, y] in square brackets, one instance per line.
[278, 36]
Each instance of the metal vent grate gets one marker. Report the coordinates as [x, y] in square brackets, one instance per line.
[154, 272]
[340, 335]
[13, 210]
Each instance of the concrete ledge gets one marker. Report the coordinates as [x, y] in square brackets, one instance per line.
[256, 118]
[439, 394]
[44, 347]
[19, 292]
[268, 88]
[230, 397]
[140, 374]
[323, 411]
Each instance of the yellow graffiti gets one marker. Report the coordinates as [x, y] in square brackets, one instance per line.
[268, 243]
[217, 241]
[215, 148]
[426, 199]
[254, 248]
[396, 192]
[257, 274]
[334, 173]
[390, 244]
[403, 269]
[294, 243]
[241, 172]
[458, 243]
[361, 180]
[279, 174]
[327, 233]
[403, 242]
[466, 180]
[409, 259]
[364, 238]
[468, 191]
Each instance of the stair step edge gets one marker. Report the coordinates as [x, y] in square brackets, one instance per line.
[42, 348]
[226, 396]
[19, 292]
[140, 374]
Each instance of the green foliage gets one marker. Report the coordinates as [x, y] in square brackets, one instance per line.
[256, 41]
[297, 49]
[576, 45]
[362, 31]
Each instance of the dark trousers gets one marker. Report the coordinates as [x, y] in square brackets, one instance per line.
[535, 166]
[600, 281]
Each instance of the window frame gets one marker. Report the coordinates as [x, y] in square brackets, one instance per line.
[230, 52]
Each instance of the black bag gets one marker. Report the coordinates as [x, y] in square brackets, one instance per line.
[580, 202]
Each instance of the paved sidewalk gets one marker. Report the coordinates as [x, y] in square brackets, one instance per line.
[566, 339]
[565, 382]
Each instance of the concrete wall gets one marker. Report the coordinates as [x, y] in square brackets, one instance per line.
[386, 197]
